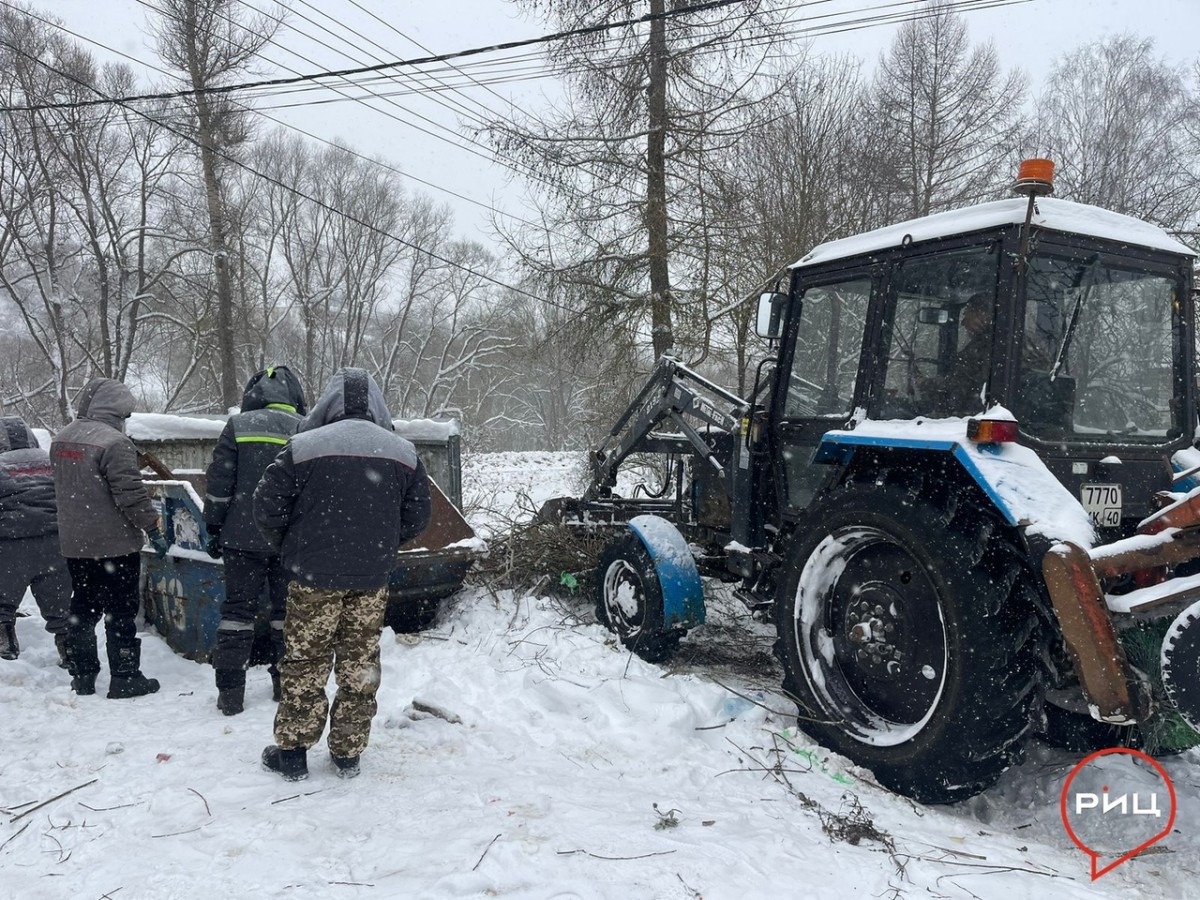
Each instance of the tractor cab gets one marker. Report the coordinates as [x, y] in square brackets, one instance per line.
[1073, 320]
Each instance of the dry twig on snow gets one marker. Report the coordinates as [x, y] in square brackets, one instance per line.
[51, 800]
[485, 852]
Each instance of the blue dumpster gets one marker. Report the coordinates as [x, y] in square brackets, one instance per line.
[182, 592]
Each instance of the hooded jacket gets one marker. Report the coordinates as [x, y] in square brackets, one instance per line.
[27, 507]
[346, 492]
[273, 407]
[103, 506]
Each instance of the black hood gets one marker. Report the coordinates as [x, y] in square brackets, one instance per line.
[350, 394]
[15, 434]
[274, 386]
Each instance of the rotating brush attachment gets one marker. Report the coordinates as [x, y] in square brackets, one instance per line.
[1170, 729]
[1179, 662]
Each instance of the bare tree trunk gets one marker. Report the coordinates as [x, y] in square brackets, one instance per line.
[230, 395]
[661, 329]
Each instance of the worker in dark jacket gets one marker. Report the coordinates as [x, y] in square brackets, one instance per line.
[104, 517]
[272, 409]
[29, 555]
[339, 501]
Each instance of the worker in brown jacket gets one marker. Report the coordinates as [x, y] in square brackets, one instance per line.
[104, 517]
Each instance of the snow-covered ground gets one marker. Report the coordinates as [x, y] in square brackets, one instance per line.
[555, 766]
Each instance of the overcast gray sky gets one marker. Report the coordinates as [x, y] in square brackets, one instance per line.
[422, 137]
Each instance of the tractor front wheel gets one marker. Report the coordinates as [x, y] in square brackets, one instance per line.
[629, 599]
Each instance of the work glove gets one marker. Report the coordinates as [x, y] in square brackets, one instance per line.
[158, 541]
[212, 544]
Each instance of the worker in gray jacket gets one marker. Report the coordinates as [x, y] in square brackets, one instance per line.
[104, 517]
[273, 406]
[29, 555]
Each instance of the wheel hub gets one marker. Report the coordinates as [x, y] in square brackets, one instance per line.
[886, 659]
[876, 631]
[623, 593]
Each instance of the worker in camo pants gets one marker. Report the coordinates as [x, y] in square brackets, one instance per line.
[272, 409]
[339, 501]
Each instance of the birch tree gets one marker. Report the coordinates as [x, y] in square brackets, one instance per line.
[1122, 125]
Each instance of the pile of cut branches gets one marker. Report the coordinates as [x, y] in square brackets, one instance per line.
[543, 553]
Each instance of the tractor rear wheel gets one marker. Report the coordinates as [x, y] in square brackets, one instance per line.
[910, 638]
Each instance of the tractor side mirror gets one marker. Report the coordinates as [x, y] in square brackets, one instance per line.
[769, 323]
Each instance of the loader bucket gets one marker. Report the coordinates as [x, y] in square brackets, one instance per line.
[1089, 618]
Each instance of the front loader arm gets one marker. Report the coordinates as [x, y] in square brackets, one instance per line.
[672, 392]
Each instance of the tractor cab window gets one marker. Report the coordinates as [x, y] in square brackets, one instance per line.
[939, 336]
[828, 348]
[1097, 354]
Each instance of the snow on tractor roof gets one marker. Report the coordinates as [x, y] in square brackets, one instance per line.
[1051, 214]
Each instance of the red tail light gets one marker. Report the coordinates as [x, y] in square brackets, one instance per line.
[992, 431]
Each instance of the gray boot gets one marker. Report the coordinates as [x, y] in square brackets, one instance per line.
[229, 659]
[60, 644]
[291, 764]
[9, 648]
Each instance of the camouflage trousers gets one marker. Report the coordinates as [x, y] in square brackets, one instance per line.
[327, 629]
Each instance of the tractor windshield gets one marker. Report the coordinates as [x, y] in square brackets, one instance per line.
[1097, 356]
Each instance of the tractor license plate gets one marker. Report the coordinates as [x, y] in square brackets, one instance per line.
[1103, 503]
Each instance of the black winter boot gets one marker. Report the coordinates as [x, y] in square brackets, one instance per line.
[231, 691]
[9, 648]
[127, 680]
[291, 764]
[83, 662]
[347, 766]
[276, 685]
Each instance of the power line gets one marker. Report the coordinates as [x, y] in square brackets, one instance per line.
[483, 152]
[421, 46]
[287, 187]
[259, 111]
[362, 70]
[367, 43]
[515, 166]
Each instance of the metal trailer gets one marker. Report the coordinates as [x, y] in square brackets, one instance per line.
[182, 592]
[945, 576]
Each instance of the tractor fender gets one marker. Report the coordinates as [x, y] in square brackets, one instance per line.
[682, 592]
[1012, 477]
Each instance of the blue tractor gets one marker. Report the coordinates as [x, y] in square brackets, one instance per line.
[961, 487]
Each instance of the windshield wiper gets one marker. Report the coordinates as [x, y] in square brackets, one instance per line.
[1085, 283]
